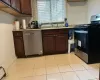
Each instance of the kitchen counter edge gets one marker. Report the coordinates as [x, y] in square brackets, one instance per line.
[40, 29]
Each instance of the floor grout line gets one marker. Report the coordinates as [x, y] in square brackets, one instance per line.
[58, 66]
[45, 68]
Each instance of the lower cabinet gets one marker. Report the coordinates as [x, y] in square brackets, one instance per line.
[19, 47]
[49, 44]
[19, 44]
[61, 43]
[55, 42]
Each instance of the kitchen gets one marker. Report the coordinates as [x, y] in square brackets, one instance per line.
[77, 13]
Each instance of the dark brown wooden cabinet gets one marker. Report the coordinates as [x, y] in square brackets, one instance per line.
[49, 44]
[13, 4]
[55, 41]
[19, 44]
[62, 43]
[26, 6]
[6, 1]
[16, 4]
[17, 7]
[23, 6]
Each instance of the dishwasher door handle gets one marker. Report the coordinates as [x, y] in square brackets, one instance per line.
[32, 33]
[27, 34]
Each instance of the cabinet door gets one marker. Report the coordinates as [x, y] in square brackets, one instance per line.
[15, 4]
[26, 6]
[48, 44]
[62, 43]
[18, 5]
[6, 1]
[19, 47]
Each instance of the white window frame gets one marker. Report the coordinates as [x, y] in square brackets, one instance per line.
[51, 15]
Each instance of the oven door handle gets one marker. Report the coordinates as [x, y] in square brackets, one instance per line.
[81, 31]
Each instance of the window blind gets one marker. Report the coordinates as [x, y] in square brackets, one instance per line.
[50, 11]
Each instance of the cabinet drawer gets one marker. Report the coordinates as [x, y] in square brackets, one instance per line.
[49, 32]
[63, 31]
[18, 33]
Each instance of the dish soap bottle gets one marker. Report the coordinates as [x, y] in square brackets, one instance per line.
[66, 22]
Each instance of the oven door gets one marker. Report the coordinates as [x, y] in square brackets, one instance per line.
[81, 40]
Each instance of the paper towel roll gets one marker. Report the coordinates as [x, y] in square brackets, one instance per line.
[24, 23]
[17, 25]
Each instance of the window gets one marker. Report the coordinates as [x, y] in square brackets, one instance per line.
[50, 11]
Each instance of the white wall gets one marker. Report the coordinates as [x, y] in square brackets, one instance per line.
[34, 10]
[93, 8]
[7, 53]
[76, 12]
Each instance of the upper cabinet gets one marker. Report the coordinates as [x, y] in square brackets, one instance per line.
[6, 1]
[76, 0]
[15, 4]
[26, 6]
[16, 7]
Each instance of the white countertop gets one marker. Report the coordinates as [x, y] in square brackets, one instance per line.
[56, 28]
[47, 28]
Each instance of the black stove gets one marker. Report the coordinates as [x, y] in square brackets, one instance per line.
[82, 27]
[87, 40]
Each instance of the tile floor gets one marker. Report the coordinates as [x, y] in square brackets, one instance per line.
[52, 67]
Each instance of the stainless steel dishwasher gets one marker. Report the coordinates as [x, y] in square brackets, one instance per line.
[32, 43]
